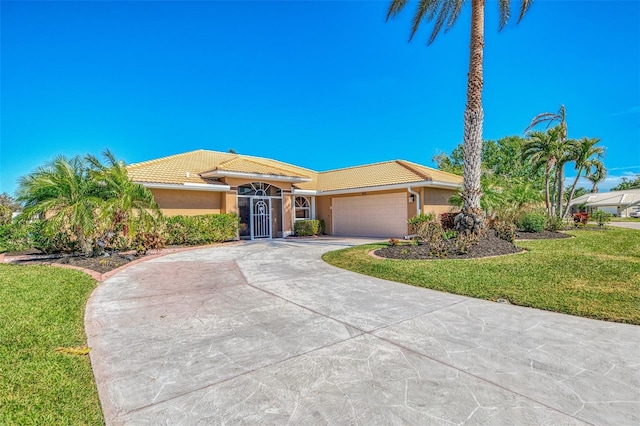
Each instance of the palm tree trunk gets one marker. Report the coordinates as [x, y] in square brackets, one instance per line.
[471, 219]
[560, 180]
[547, 195]
[573, 189]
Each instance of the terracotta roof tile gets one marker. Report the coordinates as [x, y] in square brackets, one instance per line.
[187, 167]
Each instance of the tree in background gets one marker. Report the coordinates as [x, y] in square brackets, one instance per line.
[444, 13]
[595, 177]
[543, 151]
[627, 184]
[587, 157]
[563, 144]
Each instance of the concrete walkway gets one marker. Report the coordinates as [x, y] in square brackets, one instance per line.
[267, 333]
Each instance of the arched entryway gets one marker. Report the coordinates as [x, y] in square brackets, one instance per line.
[260, 209]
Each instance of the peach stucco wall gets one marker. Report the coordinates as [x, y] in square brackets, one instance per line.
[435, 200]
[190, 203]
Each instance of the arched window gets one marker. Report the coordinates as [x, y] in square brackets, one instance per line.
[259, 189]
[302, 208]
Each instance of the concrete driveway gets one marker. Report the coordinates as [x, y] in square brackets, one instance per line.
[629, 225]
[267, 333]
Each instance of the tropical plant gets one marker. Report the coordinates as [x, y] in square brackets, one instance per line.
[128, 207]
[595, 177]
[62, 193]
[445, 13]
[533, 222]
[543, 150]
[587, 158]
[602, 217]
[564, 145]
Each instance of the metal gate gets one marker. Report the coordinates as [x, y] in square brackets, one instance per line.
[261, 218]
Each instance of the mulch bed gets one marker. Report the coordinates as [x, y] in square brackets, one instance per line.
[489, 245]
[100, 264]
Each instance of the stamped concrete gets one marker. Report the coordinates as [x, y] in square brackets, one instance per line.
[267, 333]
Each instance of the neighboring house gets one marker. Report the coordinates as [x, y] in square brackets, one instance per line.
[618, 203]
[373, 200]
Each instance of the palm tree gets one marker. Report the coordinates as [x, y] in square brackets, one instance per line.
[550, 118]
[544, 150]
[595, 176]
[445, 13]
[60, 193]
[587, 157]
[128, 206]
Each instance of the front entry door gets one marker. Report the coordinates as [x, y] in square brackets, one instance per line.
[261, 217]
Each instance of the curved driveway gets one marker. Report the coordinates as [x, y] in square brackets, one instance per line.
[267, 333]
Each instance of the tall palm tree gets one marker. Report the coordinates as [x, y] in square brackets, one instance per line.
[560, 118]
[445, 13]
[595, 176]
[544, 150]
[587, 157]
[128, 206]
[60, 193]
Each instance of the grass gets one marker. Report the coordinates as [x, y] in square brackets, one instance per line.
[625, 219]
[41, 309]
[595, 275]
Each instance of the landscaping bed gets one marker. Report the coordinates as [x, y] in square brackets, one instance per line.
[543, 235]
[488, 245]
[102, 264]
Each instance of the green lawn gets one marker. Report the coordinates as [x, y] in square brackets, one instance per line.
[41, 309]
[595, 275]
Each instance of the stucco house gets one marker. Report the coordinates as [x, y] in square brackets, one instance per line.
[373, 200]
[618, 203]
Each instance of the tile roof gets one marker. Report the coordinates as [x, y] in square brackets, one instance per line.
[187, 168]
[613, 198]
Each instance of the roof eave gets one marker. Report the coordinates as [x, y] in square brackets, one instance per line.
[418, 184]
[187, 186]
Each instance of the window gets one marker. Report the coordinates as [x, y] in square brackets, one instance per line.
[259, 189]
[302, 208]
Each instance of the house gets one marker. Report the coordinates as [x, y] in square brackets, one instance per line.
[618, 203]
[373, 200]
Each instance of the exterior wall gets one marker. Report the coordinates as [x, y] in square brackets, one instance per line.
[285, 186]
[323, 211]
[287, 215]
[436, 200]
[229, 202]
[175, 202]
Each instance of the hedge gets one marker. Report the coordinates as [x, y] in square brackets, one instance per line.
[202, 229]
[302, 228]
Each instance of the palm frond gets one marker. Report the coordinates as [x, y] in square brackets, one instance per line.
[524, 7]
[504, 7]
[443, 15]
[395, 7]
[426, 8]
[455, 12]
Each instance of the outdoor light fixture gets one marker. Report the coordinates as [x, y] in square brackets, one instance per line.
[412, 198]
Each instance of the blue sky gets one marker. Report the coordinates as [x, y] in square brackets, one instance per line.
[319, 84]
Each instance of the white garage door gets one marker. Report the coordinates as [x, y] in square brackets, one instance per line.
[370, 215]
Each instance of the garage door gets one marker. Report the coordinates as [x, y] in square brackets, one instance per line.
[370, 215]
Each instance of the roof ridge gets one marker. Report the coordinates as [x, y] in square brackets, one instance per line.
[410, 167]
[278, 161]
[251, 160]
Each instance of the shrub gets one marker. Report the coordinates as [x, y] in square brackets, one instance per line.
[602, 217]
[506, 231]
[556, 224]
[417, 221]
[5, 215]
[322, 228]
[533, 222]
[447, 220]
[145, 241]
[202, 229]
[306, 228]
[580, 219]
[393, 242]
